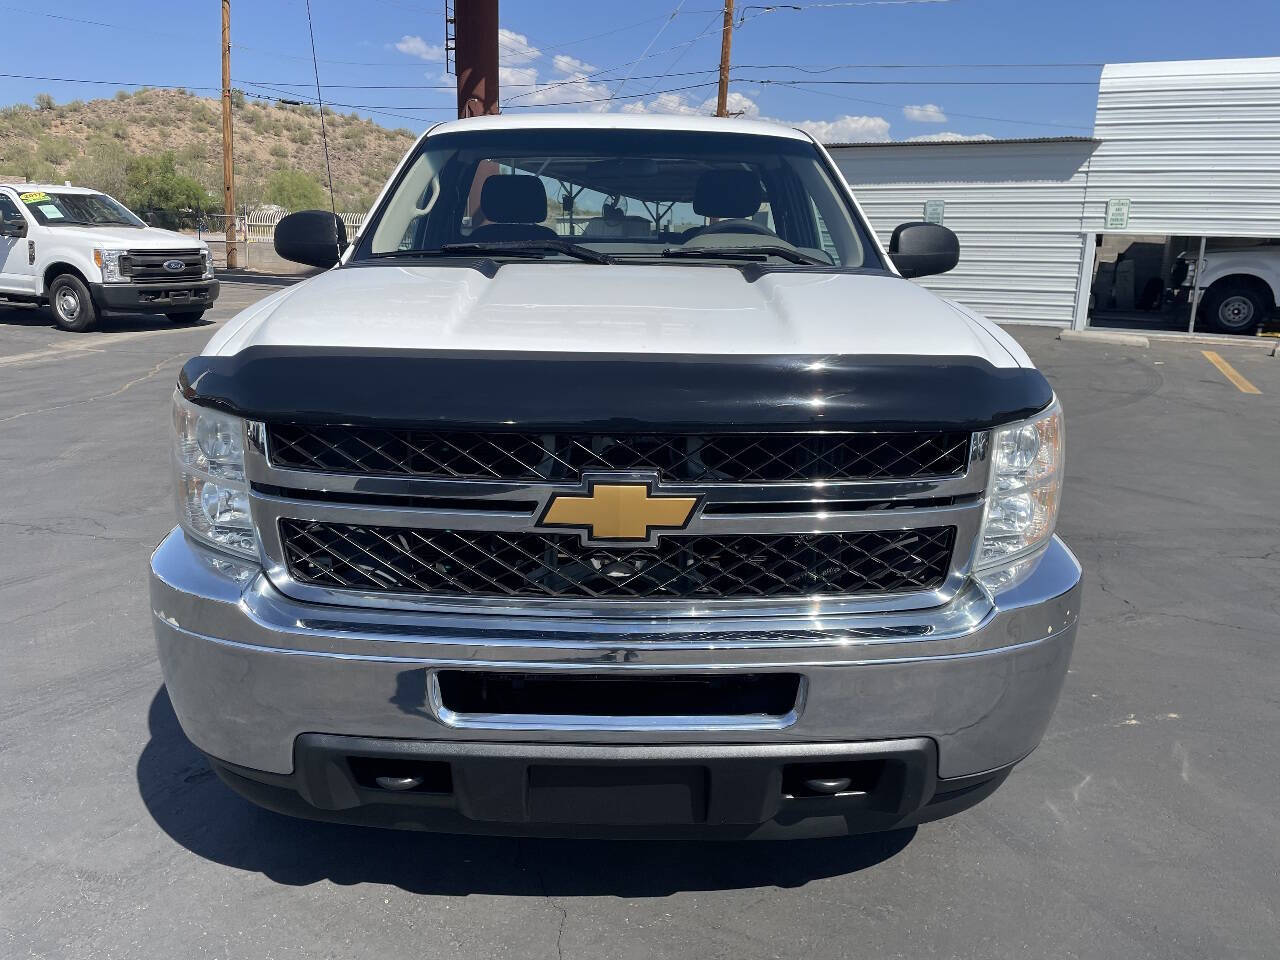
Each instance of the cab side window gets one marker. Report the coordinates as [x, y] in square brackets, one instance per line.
[8, 209]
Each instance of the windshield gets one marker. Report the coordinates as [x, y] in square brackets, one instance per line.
[634, 195]
[81, 209]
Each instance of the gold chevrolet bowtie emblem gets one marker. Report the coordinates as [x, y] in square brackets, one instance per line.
[619, 511]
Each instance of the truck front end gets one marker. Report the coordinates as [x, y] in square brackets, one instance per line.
[711, 527]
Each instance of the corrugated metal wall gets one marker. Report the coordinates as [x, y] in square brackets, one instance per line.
[1194, 145]
[1017, 208]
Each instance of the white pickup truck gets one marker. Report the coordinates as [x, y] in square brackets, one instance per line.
[715, 524]
[1240, 286]
[85, 255]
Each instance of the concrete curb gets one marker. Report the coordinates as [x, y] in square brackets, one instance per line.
[1211, 339]
[1105, 336]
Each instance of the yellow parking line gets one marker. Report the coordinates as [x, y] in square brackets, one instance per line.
[1230, 372]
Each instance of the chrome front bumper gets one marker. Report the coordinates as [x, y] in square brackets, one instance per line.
[250, 670]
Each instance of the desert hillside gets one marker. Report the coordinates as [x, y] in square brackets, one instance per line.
[164, 147]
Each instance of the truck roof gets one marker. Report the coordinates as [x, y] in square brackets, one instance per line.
[47, 188]
[620, 121]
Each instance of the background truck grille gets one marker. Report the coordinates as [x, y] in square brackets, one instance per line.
[499, 564]
[729, 458]
[147, 266]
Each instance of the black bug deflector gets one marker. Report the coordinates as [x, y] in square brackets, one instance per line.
[619, 392]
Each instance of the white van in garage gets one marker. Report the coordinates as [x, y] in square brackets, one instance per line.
[86, 255]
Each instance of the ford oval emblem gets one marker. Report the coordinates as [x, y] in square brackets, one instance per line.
[174, 266]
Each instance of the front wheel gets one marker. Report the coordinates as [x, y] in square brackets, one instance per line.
[189, 316]
[1235, 306]
[72, 304]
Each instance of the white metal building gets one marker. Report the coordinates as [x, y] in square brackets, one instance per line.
[1185, 149]
[1017, 206]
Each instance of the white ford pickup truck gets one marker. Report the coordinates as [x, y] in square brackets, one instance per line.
[615, 481]
[86, 255]
[1240, 286]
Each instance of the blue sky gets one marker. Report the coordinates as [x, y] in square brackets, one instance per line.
[646, 59]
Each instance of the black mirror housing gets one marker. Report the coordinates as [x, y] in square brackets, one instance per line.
[14, 228]
[316, 238]
[922, 249]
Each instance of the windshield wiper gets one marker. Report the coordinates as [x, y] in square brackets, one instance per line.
[756, 254]
[525, 248]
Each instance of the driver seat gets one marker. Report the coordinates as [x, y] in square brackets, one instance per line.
[731, 196]
[515, 205]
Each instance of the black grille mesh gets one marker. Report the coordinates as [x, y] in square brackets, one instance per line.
[729, 458]
[499, 564]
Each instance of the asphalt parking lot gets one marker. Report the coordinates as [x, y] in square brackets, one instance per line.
[1145, 826]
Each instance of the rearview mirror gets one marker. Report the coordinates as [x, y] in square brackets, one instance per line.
[17, 227]
[314, 237]
[923, 249]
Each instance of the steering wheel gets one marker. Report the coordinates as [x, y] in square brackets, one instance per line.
[736, 225]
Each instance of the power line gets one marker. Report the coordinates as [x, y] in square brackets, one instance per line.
[324, 133]
[274, 84]
[276, 92]
[826, 68]
[598, 73]
[680, 56]
[926, 83]
[186, 38]
[105, 83]
[625, 96]
[802, 8]
[953, 113]
[661, 30]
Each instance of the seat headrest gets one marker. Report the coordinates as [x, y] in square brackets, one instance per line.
[513, 198]
[727, 194]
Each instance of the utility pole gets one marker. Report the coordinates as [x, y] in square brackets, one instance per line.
[475, 25]
[228, 173]
[726, 40]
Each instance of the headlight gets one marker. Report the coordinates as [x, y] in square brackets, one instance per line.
[1025, 488]
[207, 273]
[213, 497]
[114, 264]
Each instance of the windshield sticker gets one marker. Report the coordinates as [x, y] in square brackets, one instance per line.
[33, 197]
[50, 211]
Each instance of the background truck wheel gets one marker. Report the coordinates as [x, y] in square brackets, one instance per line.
[1236, 305]
[188, 316]
[71, 303]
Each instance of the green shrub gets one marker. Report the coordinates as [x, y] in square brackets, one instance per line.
[54, 150]
[279, 150]
[152, 183]
[295, 190]
[45, 102]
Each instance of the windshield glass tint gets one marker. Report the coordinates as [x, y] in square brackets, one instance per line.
[78, 208]
[627, 193]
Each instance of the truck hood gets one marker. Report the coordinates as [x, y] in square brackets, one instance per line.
[128, 238]
[588, 308]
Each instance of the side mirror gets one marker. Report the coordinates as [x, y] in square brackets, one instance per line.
[923, 249]
[16, 227]
[314, 237]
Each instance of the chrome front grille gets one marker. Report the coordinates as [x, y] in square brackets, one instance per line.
[530, 458]
[797, 524]
[416, 560]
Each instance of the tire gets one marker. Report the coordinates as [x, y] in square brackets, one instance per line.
[189, 316]
[72, 304]
[1235, 306]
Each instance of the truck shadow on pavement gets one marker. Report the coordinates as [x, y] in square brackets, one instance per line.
[39, 317]
[190, 804]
